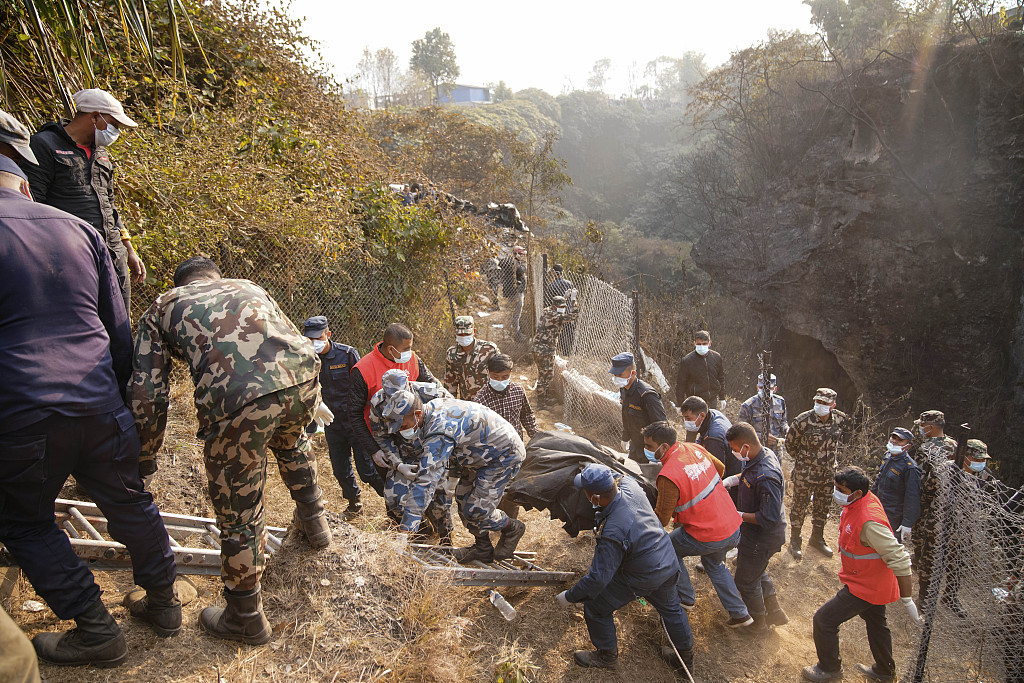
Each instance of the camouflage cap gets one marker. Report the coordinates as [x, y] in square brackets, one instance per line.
[464, 322]
[558, 300]
[394, 380]
[825, 394]
[16, 135]
[931, 417]
[396, 407]
[977, 449]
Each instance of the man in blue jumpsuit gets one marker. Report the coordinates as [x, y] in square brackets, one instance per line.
[898, 485]
[633, 558]
[336, 361]
[486, 451]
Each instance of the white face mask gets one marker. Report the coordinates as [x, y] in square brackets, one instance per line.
[107, 136]
[404, 356]
[560, 310]
[691, 425]
[319, 345]
[893, 448]
[921, 431]
[620, 381]
[499, 384]
[739, 456]
[975, 466]
[702, 349]
[840, 497]
[822, 410]
[463, 339]
[408, 434]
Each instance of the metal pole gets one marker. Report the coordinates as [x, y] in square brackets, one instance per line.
[637, 351]
[448, 289]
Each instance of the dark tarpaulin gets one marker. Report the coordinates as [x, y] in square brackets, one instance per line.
[545, 481]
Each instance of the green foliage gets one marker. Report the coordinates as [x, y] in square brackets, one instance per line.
[434, 56]
[501, 92]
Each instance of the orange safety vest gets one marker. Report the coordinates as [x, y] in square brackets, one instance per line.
[372, 367]
[864, 571]
[704, 508]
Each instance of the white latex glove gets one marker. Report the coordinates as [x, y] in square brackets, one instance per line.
[721, 404]
[904, 534]
[729, 482]
[561, 599]
[912, 610]
[323, 415]
[738, 512]
[381, 460]
[625, 446]
[408, 470]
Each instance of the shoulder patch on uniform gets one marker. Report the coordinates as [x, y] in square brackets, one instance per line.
[339, 366]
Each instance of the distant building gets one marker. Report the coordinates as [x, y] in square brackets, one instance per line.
[466, 94]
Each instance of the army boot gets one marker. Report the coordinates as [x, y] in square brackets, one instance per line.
[759, 626]
[241, 619]
[597, 659]
[795, 543]
[775, 616]
[509, 540]
[96, 639]
[818, 540]
[310, 517]
[159, 607]
[481, 550]
[669, 655]
[355, 506]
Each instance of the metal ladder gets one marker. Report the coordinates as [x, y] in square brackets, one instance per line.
[516, 571]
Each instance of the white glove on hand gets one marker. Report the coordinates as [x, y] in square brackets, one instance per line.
[408, 470]
[625, 446]
[561, 599]
[912, 610]
[721, 404]
[731, 481]
[738, 512]
[904, 534]
[323, 415]
[381, 460]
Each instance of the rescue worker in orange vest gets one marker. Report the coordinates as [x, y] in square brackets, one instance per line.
[875, 571]
[690, 491]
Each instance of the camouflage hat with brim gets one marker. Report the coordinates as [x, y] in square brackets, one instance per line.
[16, 135]
[464, 322]
[558, 300]
[825, 395]
[931, 417]
[394, 380]
[396, 408]
[977, 449]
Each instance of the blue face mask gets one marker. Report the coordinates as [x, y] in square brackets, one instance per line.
[499, 384]
[976, 466]
[651, 455]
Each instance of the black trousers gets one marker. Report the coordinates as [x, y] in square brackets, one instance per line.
[344, 452]
[840, 609]
[102, 452]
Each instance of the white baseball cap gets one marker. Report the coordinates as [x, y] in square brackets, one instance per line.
[103, 102]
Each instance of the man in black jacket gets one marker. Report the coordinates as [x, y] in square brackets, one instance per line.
[702, 373]
[641, 405]
[75, 173]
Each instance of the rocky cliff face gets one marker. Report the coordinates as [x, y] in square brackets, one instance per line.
[898, 253]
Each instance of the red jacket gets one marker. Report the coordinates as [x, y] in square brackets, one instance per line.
[704, 508]
[864, 571]
[372, 367]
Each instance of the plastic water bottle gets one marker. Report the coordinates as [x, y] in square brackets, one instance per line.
[561, 426]
[507, 610]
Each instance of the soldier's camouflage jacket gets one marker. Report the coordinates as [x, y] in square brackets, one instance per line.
[812, 441]
[933, 454]
[549, 326]
[465, 374]
[238, 346]
[460, 435]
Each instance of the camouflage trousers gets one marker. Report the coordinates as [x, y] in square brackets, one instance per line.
[438, 513]
[479, 492]
[544, 358]
[236, 466]
[812, 487]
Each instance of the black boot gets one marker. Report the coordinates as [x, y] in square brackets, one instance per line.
[355, 506]
[241, 619]
[775, 616]
[760, 624]
[481, 550]
[96, 639]
[310, 517]
[795, 542]
[159, 607]
[597, 659]
[669, 655]
[509, 540]
[818, 540]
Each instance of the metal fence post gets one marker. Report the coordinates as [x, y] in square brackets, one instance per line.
[638, 353]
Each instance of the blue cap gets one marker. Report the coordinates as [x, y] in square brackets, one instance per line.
[596, 478]
[314, 327]
[902, 433]
[8, 166]
[396, 407]
[760, 381]
[621, 363]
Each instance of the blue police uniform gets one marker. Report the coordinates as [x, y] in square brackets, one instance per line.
[633, 557]
[760, 491]
[898, 486]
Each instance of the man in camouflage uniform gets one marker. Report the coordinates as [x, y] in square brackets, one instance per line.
[752, 413]
[935, 458]
[477, 443]
[465, 365]
[813, 442]
[403, 456]
[548, 328]
[256, 388]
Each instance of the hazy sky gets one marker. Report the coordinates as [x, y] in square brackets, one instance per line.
[552, 44]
